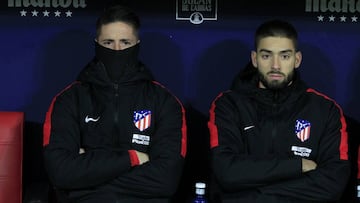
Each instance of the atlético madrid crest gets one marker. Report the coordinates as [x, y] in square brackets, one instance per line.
[302, 129]
[142, 119]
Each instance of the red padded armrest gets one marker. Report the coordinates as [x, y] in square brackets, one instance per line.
[11, 154]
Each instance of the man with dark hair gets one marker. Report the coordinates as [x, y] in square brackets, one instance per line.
[272, 138]
[115, 134]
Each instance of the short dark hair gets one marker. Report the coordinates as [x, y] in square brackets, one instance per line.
[276, 28]
[118, 13]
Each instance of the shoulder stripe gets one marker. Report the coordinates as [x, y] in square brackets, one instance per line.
[184, 126]
[214, 135]
[343, 148]
[47, 123]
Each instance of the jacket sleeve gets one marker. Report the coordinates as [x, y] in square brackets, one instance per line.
[329, 179]
[280, 176]
[234, 168]
[160, 176]
[66, 167]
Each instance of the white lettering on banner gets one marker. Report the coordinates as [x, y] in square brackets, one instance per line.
[201, 7]
[196, 1]
[345, 6]
[196, 5]
[47, 3]
[196, 11]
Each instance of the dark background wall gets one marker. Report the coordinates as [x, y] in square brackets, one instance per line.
[41, 55]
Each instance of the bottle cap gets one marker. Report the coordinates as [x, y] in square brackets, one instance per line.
[200, 188]
[200, 185]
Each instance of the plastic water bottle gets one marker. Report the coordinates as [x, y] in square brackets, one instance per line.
[200, 193]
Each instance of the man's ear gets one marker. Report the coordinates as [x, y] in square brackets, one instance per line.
[298, 58]
[253, 59]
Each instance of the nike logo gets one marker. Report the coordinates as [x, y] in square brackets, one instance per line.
[248, 127]
[88, 119]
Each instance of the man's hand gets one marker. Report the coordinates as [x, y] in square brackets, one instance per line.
[308, 165]
[143, 157]
[81, 151]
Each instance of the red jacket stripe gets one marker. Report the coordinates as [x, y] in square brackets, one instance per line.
[344, 136]
[47, 123]
[214, 135]
[184, 127]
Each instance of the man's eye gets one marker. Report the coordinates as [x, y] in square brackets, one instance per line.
[285, 56]
[106, 43]
[265, 56]
[126, 42]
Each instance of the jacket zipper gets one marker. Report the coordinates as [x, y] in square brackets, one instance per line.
[115, 137]
[274, 120]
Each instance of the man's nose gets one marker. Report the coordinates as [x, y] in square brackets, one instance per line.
[117, 46]
[275, 63]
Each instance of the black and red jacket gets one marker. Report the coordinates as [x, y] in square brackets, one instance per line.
[109, 121]
[258, 137]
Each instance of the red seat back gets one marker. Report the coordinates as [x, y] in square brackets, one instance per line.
[11, 155]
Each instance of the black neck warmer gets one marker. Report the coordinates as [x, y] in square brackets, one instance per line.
[117, 62]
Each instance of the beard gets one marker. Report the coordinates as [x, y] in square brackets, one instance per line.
[276, 84]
